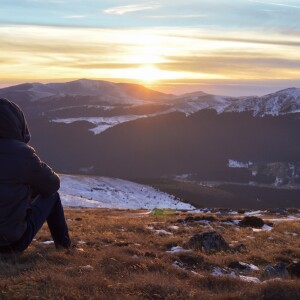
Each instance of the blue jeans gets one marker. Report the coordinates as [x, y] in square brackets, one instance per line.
[40, 210]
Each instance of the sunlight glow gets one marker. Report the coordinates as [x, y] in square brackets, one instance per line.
[147, 55]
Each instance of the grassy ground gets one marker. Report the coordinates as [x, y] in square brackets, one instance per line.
[120, 255]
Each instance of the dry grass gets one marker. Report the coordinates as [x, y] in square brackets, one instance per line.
[128, 260]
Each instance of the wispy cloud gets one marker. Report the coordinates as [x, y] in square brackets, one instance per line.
[43, 52]
[177, 16]
[49, 1]
[253, 41]
[75, 17]
[122, 10]
[277, 4]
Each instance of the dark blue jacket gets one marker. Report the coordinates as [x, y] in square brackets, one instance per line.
[21, 173]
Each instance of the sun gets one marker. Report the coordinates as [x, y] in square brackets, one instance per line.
[148, 74]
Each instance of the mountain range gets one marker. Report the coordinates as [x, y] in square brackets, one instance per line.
[132, 132]
[99, 92]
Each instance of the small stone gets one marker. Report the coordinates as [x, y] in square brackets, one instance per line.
[277, 271]
[87, 268]
[243, 266]
[239, 266]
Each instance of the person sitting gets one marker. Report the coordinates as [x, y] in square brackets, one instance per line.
[28, 187]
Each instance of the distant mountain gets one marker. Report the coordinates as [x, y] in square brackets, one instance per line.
[279, 103]
[128, 131]
[98, 91]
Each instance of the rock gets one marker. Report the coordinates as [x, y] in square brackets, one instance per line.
[240, 248]
[86, 268]
[277, 271]
[239, 266]
[243, 266]
[251, 221]
[279, 211]
[209, 242]
[190, 261]
[294, 269]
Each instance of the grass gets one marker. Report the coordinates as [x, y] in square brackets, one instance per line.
[121, 256]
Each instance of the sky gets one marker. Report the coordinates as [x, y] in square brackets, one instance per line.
[238, 47]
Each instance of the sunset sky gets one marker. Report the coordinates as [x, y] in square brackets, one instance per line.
[231, 47]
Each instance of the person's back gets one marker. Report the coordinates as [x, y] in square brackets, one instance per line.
[22, 175]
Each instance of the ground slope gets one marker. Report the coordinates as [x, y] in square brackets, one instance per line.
[125, 254]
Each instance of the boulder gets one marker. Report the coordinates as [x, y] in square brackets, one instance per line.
[251, 221]
[208, 242]
[277, 271]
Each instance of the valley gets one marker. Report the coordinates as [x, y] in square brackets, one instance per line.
[249, 144]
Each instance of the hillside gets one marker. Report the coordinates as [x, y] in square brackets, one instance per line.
[124, 254]
[249, 145]
[227, 195]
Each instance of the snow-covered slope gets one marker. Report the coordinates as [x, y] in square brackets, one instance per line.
[102, 123]
[279, 103]
[193, 103]
[106, 192]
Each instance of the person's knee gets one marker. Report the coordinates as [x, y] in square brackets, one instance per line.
[55, 196]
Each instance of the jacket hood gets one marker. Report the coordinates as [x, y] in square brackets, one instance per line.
[13, 124]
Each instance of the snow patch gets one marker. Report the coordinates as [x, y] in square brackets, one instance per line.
[236, 164]
[264, 228]
[178, 249]
[103, 192]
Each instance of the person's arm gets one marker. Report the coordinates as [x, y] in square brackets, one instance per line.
[41, 178]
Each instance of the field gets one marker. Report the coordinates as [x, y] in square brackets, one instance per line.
[126, 254]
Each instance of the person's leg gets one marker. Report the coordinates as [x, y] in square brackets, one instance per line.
[45, 209]
[58, 226]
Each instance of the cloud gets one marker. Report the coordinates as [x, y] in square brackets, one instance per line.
[49, 1]
[177, 16]
[75, 17]
[254, 41]
[41, 52]
[79, 63]
[122, 10]
[274, 3]
[250, 64]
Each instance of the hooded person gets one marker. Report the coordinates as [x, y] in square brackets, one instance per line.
[21, 173]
